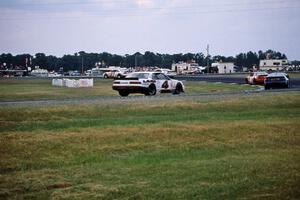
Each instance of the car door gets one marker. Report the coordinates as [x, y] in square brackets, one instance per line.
[168, 83]
[162, 81]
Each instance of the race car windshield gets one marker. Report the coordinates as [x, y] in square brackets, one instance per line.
[138, 75]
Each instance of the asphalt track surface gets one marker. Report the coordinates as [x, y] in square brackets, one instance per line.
[222, 78]
[239, 79]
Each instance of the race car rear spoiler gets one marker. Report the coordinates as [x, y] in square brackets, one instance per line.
[131, 78]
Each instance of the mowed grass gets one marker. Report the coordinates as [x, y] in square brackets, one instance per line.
[237, 148]
[294, 75]
[38, 89]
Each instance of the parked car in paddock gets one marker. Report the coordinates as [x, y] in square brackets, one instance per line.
[148, 83]
[114, 73]
[167, 72]
[256, 78]
[277, 80]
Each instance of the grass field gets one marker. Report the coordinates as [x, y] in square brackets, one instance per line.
[244, 147]
[294, 75]
[36, 89]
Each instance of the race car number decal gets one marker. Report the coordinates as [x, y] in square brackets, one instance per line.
[165, 85]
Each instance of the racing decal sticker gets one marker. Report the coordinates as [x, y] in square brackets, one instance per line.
[165, 85]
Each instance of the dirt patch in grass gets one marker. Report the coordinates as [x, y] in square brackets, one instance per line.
[58, 186]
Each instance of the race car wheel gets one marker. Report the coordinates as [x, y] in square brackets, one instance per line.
[178, 89]
[151, 90]
[246, 80]
[123, 93]
[105, 76]
[267, 87]
[119, 76]
[254, 82]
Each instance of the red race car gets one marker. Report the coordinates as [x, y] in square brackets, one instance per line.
[256, 78]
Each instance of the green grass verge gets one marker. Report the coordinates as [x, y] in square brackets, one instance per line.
[294, 75]
[37, 89]
[238, 148]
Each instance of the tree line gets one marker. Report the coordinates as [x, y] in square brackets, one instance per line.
[87, 61]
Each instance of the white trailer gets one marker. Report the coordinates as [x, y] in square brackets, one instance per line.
[224, 67]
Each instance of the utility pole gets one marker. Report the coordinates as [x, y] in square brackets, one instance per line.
[207, 57]
[81, 65]
[135, 61]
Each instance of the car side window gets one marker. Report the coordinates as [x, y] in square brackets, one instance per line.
[166, 77]
[155, 77]
[162, 77]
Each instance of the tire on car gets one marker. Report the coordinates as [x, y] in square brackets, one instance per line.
[151, 90]
[105, 76]
[123, 93]
[178, 89]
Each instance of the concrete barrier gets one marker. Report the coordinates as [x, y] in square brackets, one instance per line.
[73, 83]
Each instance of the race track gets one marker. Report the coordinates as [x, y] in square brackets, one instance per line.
[235, 79]
[239, 79]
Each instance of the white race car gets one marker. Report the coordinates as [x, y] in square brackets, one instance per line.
[114, 73]
[148, 83]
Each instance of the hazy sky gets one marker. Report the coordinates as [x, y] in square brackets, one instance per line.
[61, 27]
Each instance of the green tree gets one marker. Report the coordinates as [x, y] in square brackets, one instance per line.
[52, 63]
[8, 59]
[40, 60]
[150, 59]
[200, 59]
